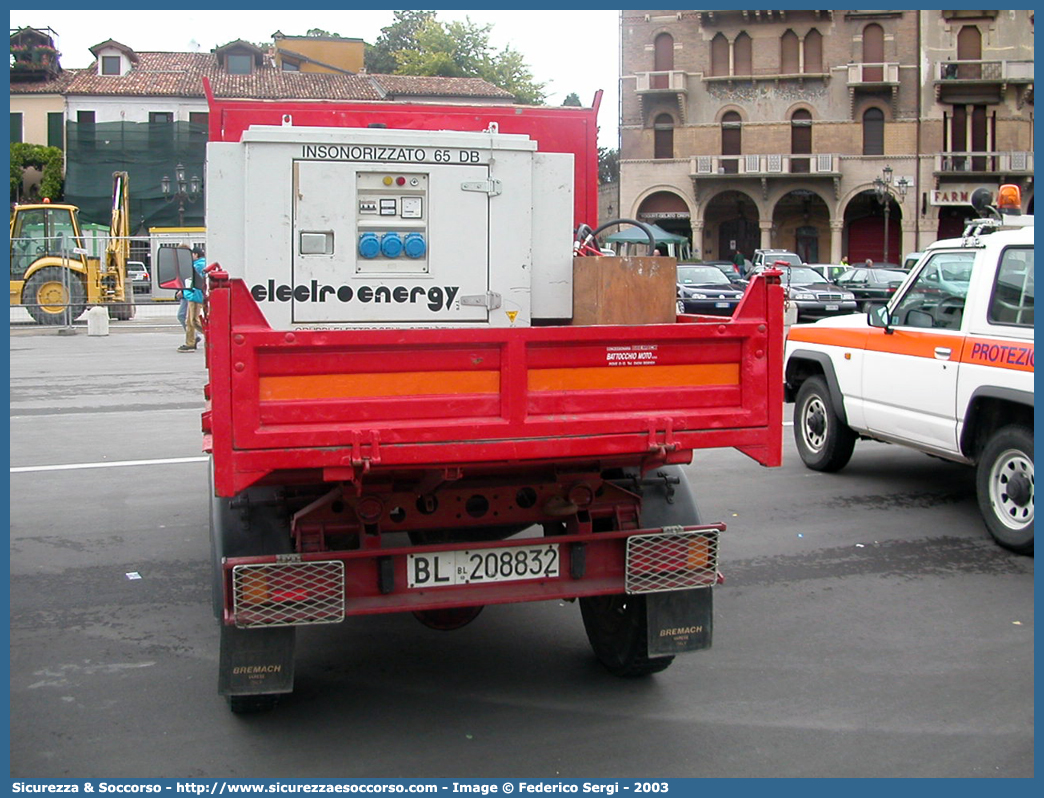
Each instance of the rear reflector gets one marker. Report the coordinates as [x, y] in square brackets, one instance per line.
[288, 594]
[671, 560]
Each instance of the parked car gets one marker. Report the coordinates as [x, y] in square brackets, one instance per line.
[706, 290]
[139, 277]
[830, 271]
[871, 286]
[814, 298]
[766, 257]
[730, 270]
[911, 260]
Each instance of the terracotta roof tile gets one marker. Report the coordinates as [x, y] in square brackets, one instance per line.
[403, 85]
[57, 86]
[181, 75]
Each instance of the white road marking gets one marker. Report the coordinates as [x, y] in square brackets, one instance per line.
[112, 464]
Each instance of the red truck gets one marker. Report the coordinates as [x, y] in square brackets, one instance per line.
[387, 437]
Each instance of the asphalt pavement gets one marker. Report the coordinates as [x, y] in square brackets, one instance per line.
[867, 626]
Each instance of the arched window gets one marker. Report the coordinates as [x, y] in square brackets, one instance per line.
[800, 140]
[873, 53]
[969, 48]
[742, 58]
[719, 56]
[789, 56]
[873, 132]
[813, 51]
[731, 141]
[663, 60]
[663, 136]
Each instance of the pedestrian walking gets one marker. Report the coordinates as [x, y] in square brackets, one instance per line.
[192, 294]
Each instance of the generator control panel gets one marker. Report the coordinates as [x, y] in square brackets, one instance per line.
[391, 221]
[378, 227]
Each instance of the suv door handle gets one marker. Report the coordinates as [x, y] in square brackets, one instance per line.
[943, 353]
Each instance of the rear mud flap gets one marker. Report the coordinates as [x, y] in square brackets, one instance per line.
[256, 661]
[679, 621]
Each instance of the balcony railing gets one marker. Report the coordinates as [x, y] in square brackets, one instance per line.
[672, 80]
[873, 73]
[993, 71]
[1000, 162]
[764, 165]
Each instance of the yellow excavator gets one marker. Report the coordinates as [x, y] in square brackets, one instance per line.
[53, 276]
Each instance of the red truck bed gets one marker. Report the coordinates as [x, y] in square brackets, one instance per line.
[351, 402]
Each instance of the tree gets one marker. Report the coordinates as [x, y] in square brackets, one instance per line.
[47, 159]
[419, 44]
[319, 33]
[608, 165]
[572, 99]
[400, 35]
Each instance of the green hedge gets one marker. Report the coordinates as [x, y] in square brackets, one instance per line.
[48, 159]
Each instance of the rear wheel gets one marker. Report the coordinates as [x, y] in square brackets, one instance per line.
[616, 628]
[250, 704]
[256, 523]
[1004, 486]
[824, 442]
[54, 295]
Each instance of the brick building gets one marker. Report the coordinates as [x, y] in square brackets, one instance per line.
[823, 132]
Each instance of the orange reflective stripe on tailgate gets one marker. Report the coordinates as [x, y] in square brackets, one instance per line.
[607, 377]
[351, 386]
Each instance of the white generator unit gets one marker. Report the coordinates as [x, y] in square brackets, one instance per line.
[372, 227]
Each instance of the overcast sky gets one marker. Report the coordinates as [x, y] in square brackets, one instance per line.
[570, 51]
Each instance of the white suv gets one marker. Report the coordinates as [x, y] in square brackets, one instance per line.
[946, 368]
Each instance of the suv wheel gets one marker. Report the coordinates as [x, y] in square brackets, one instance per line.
[824, 442]
[1004, 487]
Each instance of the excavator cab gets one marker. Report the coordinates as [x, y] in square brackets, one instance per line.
[39, 231]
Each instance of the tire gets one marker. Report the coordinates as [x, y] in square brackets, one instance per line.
[824, 442]
[257, 525]
[1004, 487]
[48, 300]
[243, 532]
[616, 629]
[123, 311]
[252, 704]
[616, 626]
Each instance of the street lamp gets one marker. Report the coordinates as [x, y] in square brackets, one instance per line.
[187, 190]
[883, 192]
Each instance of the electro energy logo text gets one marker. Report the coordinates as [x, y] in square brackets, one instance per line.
[435, 297]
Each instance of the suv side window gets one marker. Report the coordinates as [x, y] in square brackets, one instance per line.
[935, 299]
[1012, 299]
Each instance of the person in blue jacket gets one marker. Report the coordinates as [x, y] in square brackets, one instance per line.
[192, 293]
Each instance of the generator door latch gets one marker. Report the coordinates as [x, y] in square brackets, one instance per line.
[488, 300]
[490, 187]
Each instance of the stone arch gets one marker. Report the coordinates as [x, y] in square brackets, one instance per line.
[667, 206]
[739, 109]
[872, 102]
[801, 221]
[663, 189]
[730, 216]
[802, 106]
[864, 224]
